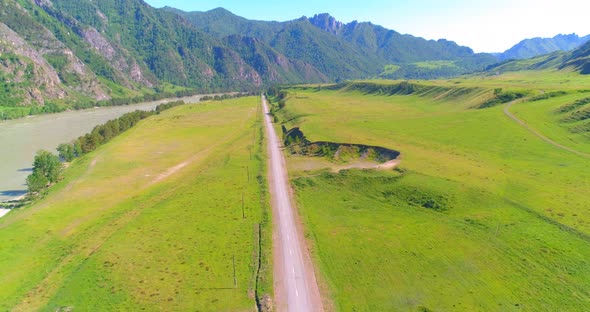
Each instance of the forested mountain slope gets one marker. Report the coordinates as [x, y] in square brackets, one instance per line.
[353, 50]
[57, 52]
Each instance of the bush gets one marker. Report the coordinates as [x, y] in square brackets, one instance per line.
[36, 182]
[66, 152]
[48, 165]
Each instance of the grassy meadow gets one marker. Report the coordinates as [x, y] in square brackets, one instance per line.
[481, 215]
[150, 221]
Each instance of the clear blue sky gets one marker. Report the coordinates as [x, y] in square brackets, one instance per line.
[483, 25]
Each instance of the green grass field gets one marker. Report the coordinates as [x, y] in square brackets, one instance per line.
[151, 221]
[481, 215]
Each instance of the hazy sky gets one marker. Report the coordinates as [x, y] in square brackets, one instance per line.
[483, 25]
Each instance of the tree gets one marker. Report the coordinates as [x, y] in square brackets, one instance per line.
[66, 152]
[89, 143]
[78, 148]
[48, 165]
[36, 181]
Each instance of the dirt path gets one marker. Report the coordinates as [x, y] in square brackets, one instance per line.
[383, 166]
[538, 134]
[296, 288]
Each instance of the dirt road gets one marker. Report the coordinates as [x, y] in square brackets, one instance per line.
[296, 288]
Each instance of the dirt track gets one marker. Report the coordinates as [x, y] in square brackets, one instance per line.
[296, 288]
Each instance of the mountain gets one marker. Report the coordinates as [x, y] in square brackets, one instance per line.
[221, 23]
[343, 51]
[56, 54]
[538, 46]
[271, 64]
[389, 44]
[297, 39]
[576, 60]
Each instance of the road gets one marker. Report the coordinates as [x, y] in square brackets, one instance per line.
[538, 134]
[296, 288]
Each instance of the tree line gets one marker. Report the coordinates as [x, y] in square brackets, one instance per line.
[227, 96]
[48, 167]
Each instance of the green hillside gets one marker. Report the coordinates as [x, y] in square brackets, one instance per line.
[577, 60]
[481, 214]
[343, 51]
[171, 215]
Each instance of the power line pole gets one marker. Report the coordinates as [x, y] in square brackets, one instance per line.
[234, 265]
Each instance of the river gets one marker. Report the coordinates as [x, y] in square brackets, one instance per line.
[20, 139]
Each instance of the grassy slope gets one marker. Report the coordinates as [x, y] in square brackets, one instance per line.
[543, 116]
[111, 235]
[516, 230]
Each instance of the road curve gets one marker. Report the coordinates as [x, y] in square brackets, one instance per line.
[537, 133]
[296, 288]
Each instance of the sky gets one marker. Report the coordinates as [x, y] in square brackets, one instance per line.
[483, 25]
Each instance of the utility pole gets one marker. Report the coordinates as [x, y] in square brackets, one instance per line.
[234, 265]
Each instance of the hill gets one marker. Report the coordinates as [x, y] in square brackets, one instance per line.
[342, 51]
[577, 60]
[529, 48]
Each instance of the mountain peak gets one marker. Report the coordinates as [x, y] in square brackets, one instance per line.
[220, 10]
[326, 22]
[538, 46]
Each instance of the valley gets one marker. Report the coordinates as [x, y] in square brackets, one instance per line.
[335, 164]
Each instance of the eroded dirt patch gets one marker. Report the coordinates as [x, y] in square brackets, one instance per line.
[337, 156]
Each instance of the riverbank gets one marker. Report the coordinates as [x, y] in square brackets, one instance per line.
[188, 99]
[7, 206]
[22, 138]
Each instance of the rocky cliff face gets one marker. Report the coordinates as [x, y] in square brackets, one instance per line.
[328, 23]
[24, 67]
[125, 66]
[36, 65]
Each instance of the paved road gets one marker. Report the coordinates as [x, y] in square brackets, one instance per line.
[298, 290]
[537, 133]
